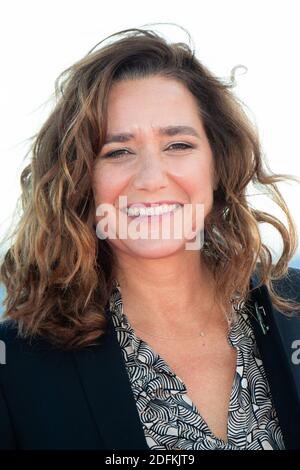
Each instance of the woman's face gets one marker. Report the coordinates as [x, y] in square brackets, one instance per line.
[152, 165]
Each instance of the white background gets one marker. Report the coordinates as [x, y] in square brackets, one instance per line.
[39, 39]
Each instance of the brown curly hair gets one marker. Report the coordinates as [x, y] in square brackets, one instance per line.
[58, 275]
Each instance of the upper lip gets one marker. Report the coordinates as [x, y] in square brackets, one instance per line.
[151, 204]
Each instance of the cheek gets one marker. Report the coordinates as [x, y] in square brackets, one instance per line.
[107, 185]
[198, 185]
[197, 180]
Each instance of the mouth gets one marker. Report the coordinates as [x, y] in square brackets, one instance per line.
[154, 212]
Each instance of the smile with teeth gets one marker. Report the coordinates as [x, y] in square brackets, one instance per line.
[150, 211]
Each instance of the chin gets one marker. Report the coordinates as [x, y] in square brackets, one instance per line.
[151, 249]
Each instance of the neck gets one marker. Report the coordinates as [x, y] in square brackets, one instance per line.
[167, 296]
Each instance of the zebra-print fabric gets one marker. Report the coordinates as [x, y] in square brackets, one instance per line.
[170, 419]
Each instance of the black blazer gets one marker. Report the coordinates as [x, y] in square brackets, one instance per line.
[54, 399]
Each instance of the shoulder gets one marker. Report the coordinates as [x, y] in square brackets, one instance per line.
[22, 358]
[285, 286]
[289, 285]
[9, 339]
[8, 330]
[14, 341]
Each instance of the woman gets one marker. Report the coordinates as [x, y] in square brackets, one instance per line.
[128, 342]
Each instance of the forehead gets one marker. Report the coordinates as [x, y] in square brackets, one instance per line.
[152, 101]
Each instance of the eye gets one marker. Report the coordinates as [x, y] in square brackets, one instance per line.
[185, 146]
[115, 153]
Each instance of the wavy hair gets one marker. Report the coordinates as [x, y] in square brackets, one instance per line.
[57, 273]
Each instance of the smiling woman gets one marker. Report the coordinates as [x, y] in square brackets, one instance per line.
[138, 342]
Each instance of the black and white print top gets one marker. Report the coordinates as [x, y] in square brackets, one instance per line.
[170, 419]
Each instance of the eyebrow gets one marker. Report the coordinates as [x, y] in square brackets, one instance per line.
[169, 131]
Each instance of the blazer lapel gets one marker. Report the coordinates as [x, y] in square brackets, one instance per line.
[106, 383]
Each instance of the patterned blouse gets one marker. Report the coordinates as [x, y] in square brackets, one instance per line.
[170, 419]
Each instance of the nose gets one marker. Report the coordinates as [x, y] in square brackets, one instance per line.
[151, 173]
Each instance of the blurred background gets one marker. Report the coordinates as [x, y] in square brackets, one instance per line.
[38, 40]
